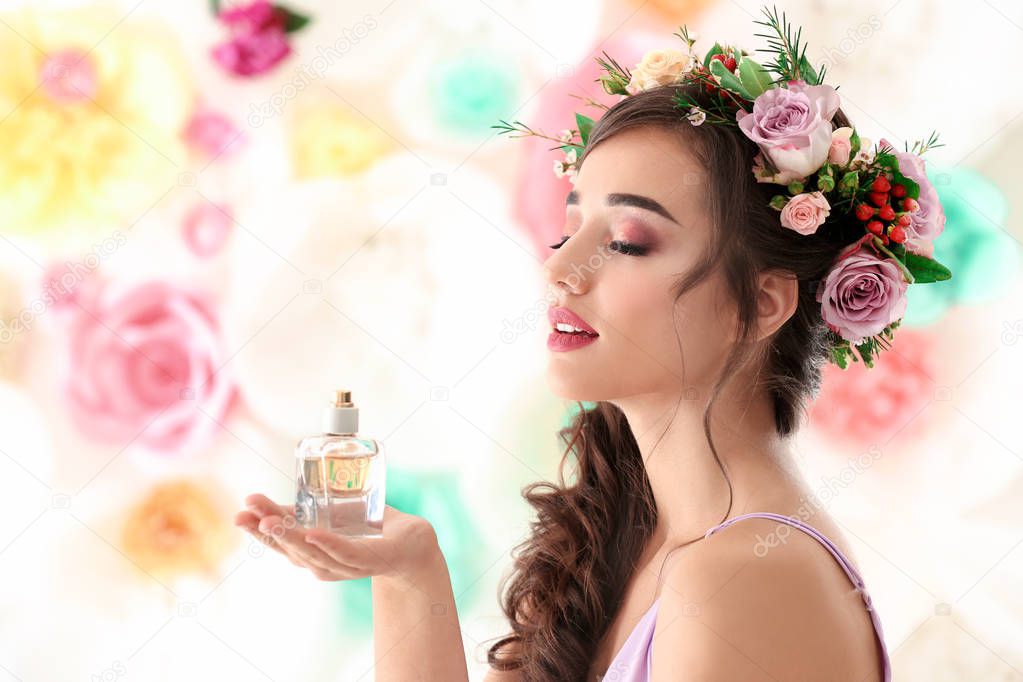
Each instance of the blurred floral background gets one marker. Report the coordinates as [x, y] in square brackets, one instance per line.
[214, 214]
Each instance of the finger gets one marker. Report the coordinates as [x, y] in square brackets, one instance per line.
[261, 505]
[250, 524]
[292, 539]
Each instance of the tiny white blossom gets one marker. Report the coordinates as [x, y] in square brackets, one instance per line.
[570, 156]
[566, 135]
[572, 173]
[696, 116]
[559, 168]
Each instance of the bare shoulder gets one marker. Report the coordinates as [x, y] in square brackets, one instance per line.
[760, 600]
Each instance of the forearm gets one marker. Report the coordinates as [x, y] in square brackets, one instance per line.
[416, 634]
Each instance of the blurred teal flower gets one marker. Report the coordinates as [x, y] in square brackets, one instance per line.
[975, 246]
[472, 90]
[433, 495]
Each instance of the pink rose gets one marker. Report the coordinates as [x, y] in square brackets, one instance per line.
[926, 224]
[792, 125]
[257, 41]
[805, 212]
[841, 146]
[862, 295]
[145, 368]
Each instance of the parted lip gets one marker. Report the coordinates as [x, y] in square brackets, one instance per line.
[566, 316]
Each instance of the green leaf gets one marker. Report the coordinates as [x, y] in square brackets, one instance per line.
[717, 49]
[754, 77]
[854, 144]
[926, 269]
[728, 79]
[293, 21]
[585, 125]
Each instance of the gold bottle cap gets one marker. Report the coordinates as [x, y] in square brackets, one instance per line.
[341, 399]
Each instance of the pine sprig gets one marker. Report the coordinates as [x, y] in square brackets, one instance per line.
[920, 146]
[789, 53]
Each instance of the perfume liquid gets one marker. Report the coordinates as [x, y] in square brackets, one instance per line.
[340, 475]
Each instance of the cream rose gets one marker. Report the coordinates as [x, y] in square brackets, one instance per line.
[804, 213]
[659, 67]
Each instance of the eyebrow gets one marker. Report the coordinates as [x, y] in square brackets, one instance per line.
[626, 199]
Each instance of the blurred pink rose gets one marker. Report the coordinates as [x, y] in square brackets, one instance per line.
[212, 133]
[862, 295]
[792, 125]
[258, 40]
[144, 364]
[805, 212]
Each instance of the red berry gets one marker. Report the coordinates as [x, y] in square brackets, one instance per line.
[720, 56]
[910, 204]
[875, 227]
[886, 212]
[898, 191]
[878, 198]
[864, 212]
[730, 64]
[884, 239]
[710, 87]
[904, 220]
[881, 184]
[898, 234]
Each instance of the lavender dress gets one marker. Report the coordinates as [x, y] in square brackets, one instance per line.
[632, 663]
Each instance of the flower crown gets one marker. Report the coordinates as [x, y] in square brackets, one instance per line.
[825, 172]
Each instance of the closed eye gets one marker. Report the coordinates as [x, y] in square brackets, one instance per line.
[618, 245]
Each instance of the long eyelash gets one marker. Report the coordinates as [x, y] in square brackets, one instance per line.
[621, 247]
[627, 248]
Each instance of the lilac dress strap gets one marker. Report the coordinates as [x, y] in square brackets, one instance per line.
[633, 661]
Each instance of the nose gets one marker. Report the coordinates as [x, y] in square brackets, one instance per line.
[566, 270]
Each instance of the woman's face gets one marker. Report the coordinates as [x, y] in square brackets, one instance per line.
[639, 187]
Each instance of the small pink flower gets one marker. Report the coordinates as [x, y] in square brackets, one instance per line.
[212, 134]
[841, 146]
[258, 41]
[861, 295]
[146, 368]
[206, 228]
[805, 212]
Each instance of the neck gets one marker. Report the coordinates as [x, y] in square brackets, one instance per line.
[690, 490]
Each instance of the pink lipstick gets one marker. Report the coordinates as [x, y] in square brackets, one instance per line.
[568, 330]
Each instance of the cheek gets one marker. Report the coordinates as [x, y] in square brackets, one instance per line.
[641, 312]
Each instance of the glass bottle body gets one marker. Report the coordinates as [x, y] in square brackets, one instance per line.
[340, 482]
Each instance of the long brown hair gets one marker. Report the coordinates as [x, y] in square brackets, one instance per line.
[569, 577]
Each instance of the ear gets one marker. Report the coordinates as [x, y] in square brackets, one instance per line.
[776, 300]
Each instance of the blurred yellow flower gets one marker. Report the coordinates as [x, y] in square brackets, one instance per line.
[178, 528]
[91, 110]
[329, 140]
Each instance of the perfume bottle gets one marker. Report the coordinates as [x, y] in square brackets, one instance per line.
[340, 475]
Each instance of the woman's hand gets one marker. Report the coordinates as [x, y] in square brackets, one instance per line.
[407, 541]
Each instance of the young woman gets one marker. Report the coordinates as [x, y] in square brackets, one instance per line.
[695, 304]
